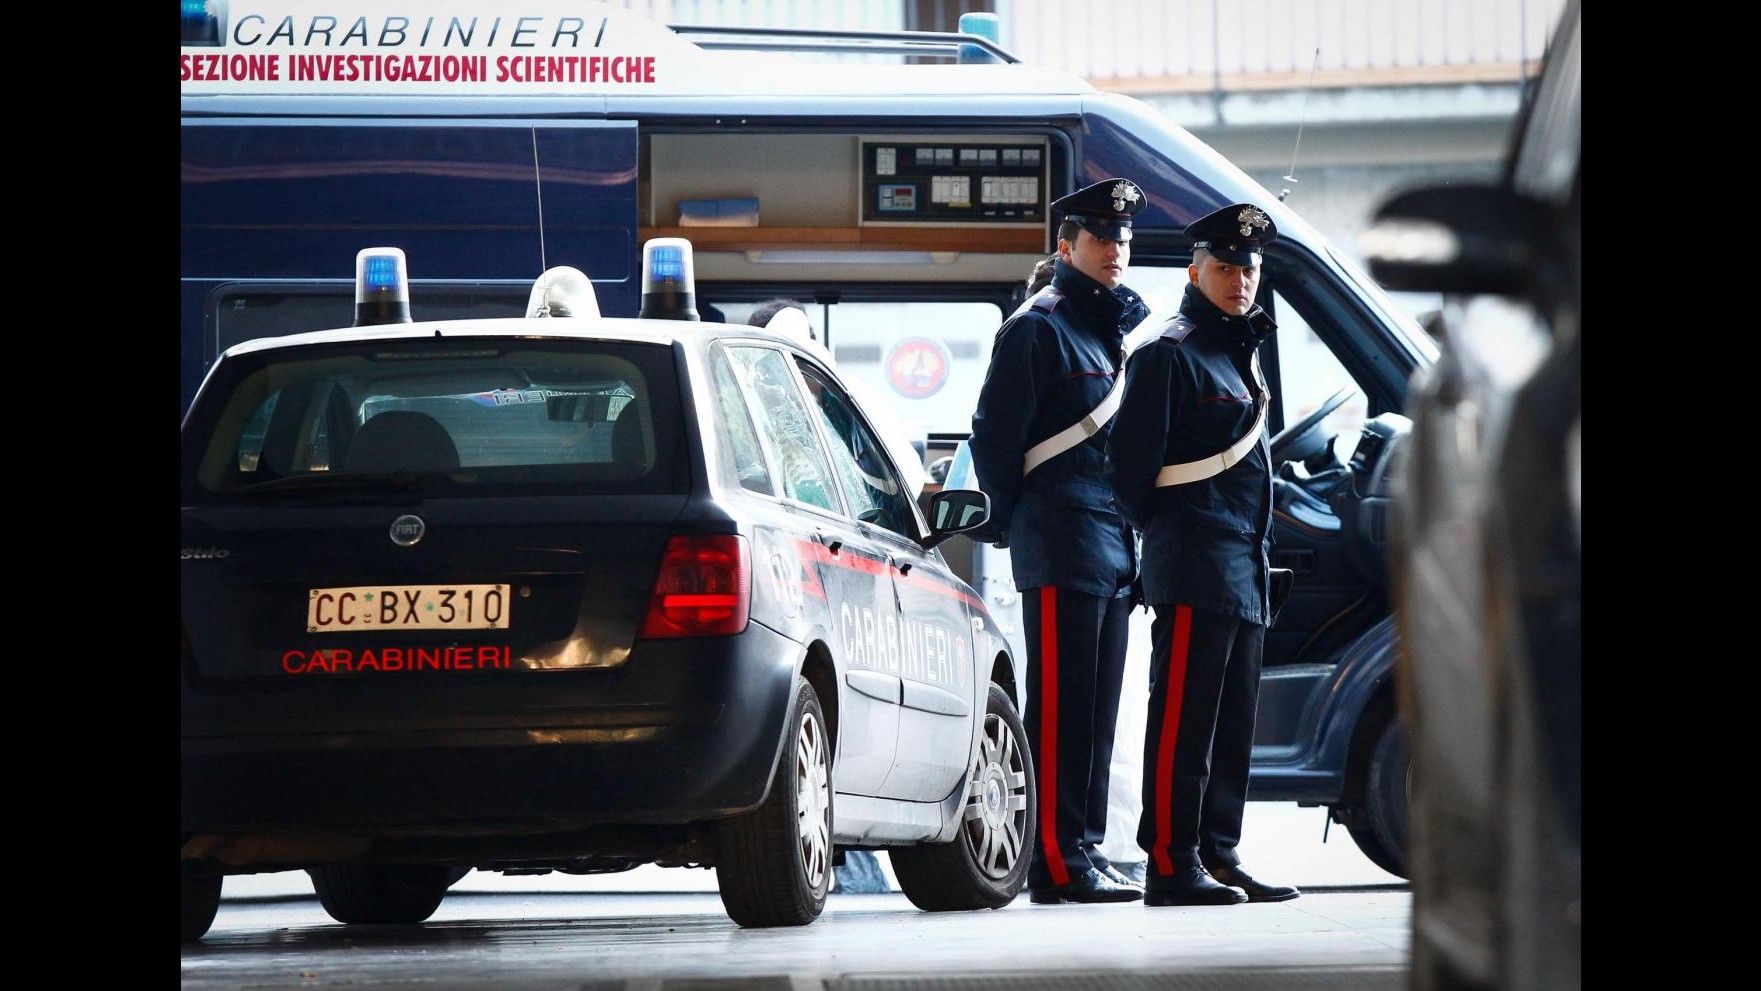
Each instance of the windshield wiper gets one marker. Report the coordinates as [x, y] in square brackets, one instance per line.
[401, 483]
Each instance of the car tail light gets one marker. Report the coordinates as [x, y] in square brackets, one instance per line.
[704, 589]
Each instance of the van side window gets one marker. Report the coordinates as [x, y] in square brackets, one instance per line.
[1311, 373]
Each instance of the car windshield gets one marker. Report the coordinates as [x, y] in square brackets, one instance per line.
[476, 416]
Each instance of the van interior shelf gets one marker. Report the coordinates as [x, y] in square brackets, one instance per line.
[1026, 240]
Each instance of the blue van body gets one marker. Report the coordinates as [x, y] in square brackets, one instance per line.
[486, 183]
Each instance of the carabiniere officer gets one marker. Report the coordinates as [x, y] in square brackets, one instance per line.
[1038, 441]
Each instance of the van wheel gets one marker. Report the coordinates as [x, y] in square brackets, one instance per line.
[382, 893]
[1379, 827]
[774, 864]
[201, 902]
[985, 865]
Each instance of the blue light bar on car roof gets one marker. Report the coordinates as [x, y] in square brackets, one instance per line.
[669, 286]
[382, 287]
[667, 263]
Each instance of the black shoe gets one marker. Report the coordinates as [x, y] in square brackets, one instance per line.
[1257, 891]
[1189, 886]
[1089, 886]
[1117, 876]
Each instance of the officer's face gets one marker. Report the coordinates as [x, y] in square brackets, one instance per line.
[1096, 257]
[1230, 288]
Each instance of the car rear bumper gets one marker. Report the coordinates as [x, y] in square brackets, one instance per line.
[687, 730]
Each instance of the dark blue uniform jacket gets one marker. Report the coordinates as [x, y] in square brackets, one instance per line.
[1053, 362]
[1189, 396]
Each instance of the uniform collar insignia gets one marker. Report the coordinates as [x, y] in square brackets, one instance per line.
[1123, 193]
[1249, 218]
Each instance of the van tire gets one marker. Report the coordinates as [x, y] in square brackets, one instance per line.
[1379, 825]
[774, 864]
[382, 893]
[985, 864]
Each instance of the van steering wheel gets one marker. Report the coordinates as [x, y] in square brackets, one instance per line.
[1305, 437]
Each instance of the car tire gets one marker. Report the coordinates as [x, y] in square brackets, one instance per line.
[201, 902]
[382, 893]
[985, 865]
[1379, 826]
[774, 864]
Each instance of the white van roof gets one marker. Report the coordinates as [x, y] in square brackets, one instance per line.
[575, 48]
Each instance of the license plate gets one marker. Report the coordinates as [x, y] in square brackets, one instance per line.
[407, 607]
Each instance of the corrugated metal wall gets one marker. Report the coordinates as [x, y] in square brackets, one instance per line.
[853, 15]
[1180, 44]
[1184, 45]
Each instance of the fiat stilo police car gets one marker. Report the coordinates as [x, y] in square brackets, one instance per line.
[576, 593]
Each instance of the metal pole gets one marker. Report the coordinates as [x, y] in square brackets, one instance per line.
[1216, 65]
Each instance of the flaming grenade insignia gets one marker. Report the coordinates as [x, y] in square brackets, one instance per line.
[1249, 218]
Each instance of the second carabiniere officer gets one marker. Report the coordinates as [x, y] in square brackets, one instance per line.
[1189, 458]
[1038, 437]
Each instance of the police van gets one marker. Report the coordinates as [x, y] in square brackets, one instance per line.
[895, 182]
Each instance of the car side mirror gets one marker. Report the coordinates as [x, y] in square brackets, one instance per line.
[1459, 239]
[954, 511]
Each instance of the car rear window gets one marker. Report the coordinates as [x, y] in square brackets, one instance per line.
[474, 416]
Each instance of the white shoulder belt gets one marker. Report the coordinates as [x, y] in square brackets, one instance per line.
[1180, 474]
[1077, 432]
[1194, 471]
[1203, 468]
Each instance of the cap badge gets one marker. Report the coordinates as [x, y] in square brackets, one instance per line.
[1249, 218]
[1123, 193]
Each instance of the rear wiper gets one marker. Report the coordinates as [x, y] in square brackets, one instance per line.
[329, 482]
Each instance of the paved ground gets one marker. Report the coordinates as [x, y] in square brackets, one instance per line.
[656, 929]
[1280, 842]
[586, 941]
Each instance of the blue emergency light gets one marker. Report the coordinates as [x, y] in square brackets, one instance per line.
[382, 287]
[669, 286]
[985, 25]
[204, 22]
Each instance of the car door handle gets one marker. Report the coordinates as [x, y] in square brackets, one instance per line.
[903, 566]
[832, 544]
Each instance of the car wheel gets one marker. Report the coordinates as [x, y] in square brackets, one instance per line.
[381, 893]
[774, 864]
[1380, 826]
[201, 902]
[985, 865]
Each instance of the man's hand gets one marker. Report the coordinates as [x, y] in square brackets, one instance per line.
[989, 534]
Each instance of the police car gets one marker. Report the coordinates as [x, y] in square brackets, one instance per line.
[573, 593]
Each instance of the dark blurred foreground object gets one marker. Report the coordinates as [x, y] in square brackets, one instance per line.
[1487, 554]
